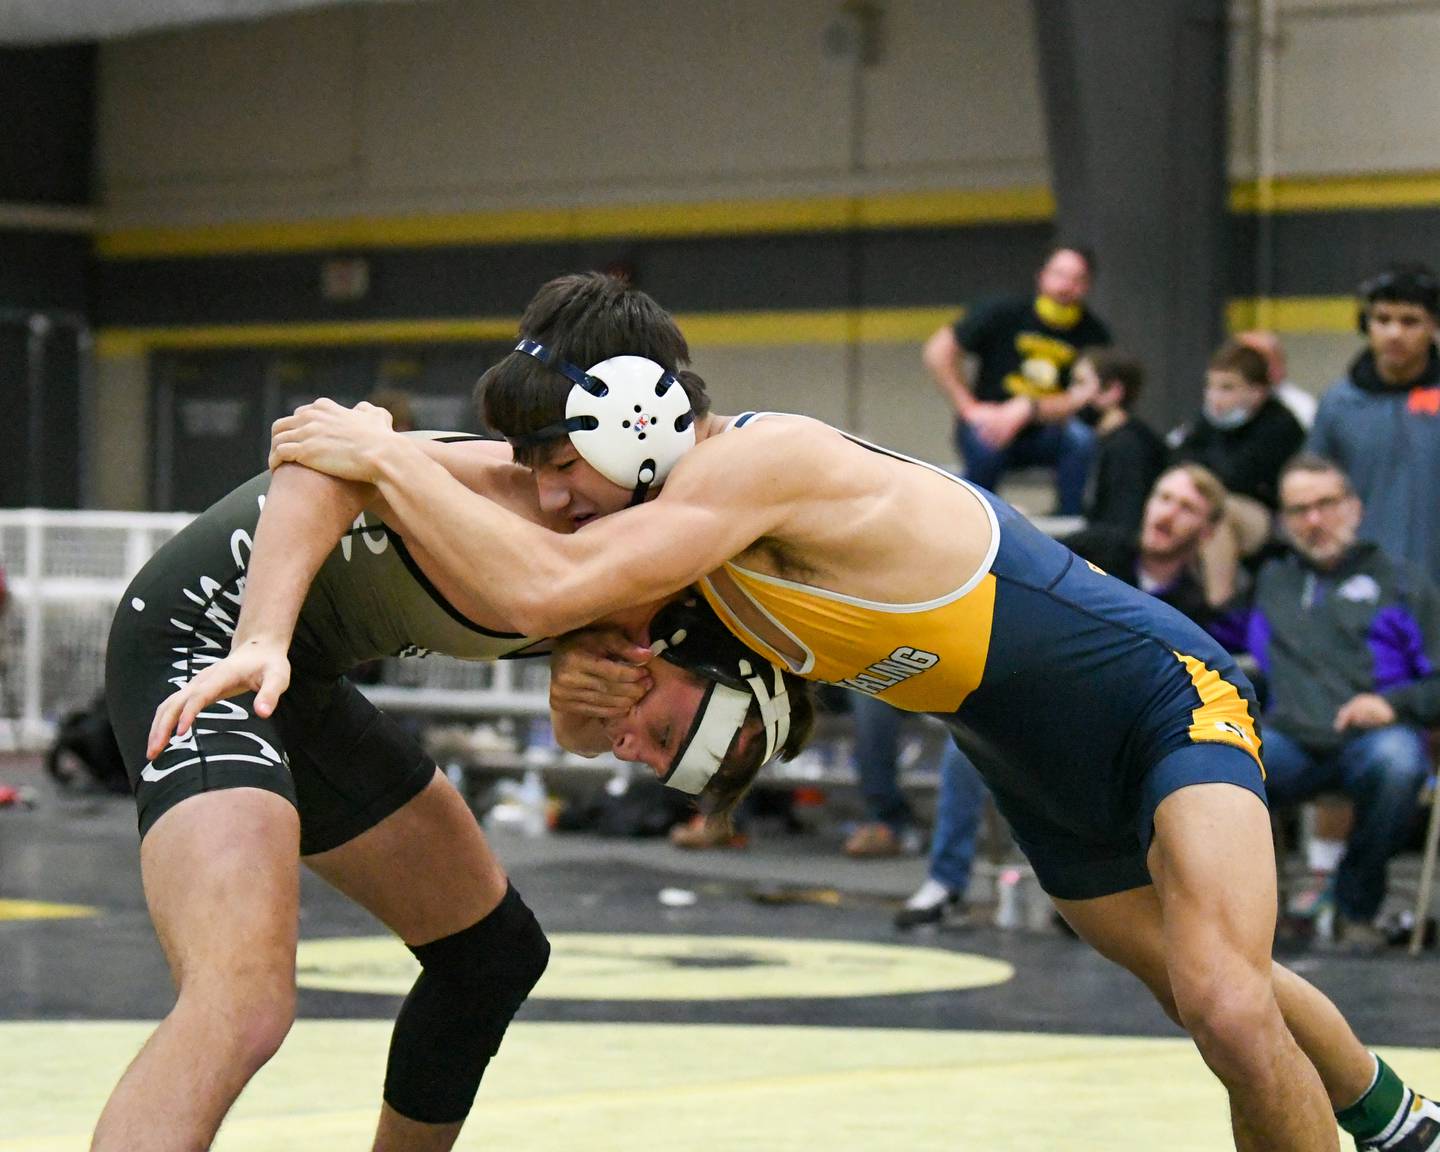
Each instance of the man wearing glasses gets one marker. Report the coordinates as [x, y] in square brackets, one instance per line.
[1349, 641]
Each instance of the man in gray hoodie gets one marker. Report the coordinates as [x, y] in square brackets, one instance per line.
[1349, 641]
[1381, 420]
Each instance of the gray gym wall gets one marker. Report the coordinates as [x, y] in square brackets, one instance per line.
[437, 108]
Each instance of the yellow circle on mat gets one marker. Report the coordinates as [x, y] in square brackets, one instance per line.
[42, 910]
[586, 966]
[619, 1087]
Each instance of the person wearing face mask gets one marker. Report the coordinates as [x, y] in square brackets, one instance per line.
[1381, 420]
[1018, 406]
[1243, 435]
[1349, 639]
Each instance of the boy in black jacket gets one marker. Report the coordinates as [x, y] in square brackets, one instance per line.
[1245, 436]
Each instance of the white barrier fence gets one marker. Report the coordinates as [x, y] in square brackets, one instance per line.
[66, 572]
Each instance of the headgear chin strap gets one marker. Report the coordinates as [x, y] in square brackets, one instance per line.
[687, 634]
[627, 416]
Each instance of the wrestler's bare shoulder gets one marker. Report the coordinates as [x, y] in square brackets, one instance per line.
[852, 507]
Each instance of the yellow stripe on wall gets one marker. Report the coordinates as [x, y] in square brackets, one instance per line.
[735, 329]
[1293, 314]
[115, 343]
[1338, 193]
[754, 329]
[926, 209]
[635, 221]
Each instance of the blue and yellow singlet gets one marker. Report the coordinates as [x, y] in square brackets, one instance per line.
[1064, 684]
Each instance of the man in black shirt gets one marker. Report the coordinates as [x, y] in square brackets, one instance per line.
[1017, 409]
[1129, 456]
[1181, 513]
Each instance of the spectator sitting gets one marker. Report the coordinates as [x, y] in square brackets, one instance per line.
[1018, 409]
[1350, 644]
[1181, 513]
[1129, 455]
[1301, 403]
[1244, 435]
[1381, 420]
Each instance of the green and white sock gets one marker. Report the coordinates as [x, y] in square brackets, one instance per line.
[1390, 1117]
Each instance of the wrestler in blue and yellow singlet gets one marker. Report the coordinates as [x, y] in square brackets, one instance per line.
[1083, 701]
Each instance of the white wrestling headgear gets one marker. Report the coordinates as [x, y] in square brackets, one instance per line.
[627, 416]
[689, 635]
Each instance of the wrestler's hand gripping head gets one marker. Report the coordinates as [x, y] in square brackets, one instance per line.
[627, 417]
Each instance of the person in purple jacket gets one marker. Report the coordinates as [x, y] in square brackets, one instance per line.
[1349, 641]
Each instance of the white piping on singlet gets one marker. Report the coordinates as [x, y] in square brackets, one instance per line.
[839, 597]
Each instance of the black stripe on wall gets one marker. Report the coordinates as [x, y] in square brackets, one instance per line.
[797, 271]
[1315, 254]
[44, 270]
[47, 131]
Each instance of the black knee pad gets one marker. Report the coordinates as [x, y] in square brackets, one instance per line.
[471, 985]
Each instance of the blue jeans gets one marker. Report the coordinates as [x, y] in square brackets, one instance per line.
[1068, 447]
[877, 748]
[958, 810]
[1382, 771]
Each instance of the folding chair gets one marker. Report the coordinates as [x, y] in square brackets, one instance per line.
[1427, 867]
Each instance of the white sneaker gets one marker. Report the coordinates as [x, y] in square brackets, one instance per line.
[931, 904]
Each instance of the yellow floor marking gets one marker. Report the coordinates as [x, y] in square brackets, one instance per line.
[618, 1087]
[594, 966]
[40, 910]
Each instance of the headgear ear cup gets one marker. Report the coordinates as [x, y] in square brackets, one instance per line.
[687, 633]
[642, 425]
[627, 416]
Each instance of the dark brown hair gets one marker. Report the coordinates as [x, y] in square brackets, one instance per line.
[1115, 367]
[1233, 356]
[741, 765]
[1315, 463]
[582, 318]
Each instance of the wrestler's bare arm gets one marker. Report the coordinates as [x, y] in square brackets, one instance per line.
[728, 492]
[305, 513]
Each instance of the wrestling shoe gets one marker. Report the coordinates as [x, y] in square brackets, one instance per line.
[933, 903]
[1415, 1129]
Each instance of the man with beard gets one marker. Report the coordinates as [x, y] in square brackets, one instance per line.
[1180, 515]
[1350, 642]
